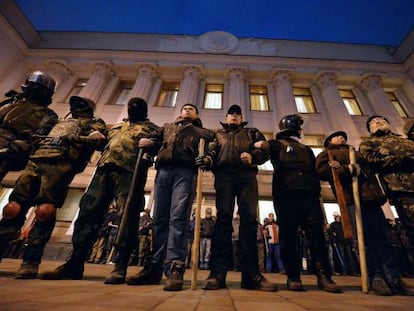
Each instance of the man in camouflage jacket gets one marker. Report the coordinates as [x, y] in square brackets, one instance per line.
[392, 159]
[44, 182]
[22, 117]
[111, 182]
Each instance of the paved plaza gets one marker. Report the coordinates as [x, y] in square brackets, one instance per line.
[91, 294]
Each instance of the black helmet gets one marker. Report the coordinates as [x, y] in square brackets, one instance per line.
[291, 125]
[81, 105]
[42, 79]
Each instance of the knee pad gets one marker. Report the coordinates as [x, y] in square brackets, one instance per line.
[45, 212]
[11, 210]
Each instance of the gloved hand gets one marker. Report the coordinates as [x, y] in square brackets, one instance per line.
[202, 162]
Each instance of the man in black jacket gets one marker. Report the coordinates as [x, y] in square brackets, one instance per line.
[235, 160]
[296, 197]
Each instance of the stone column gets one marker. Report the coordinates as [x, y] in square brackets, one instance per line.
[380, 102]
[64, 78]
[144, 81]
[285, 100]
[237, 89]
[142, 87]
[189, 86]
[97, 82]
[338, 116]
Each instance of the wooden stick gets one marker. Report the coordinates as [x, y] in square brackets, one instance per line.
[360, 230]
[340, 197]
[197, 220]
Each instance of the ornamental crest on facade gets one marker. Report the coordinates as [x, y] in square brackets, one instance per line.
[218, 42]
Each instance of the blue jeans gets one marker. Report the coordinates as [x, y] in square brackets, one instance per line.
[174, 190]
[273, 258]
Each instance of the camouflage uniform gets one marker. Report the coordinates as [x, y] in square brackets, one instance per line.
[111, 181]
[51, 168]
[20, 121]
[392, 158]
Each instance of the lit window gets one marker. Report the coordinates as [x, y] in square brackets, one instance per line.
[350, 102]
[397, 105]
[258, 98]
[123, 96]
[168, 94]
[213, 98]
[304, 101]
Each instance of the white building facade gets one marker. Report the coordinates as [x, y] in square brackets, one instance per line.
[332, 86]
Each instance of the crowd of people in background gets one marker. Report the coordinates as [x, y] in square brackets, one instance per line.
[113, 226]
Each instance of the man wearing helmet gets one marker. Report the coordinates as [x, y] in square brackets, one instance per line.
[296, 198]
[22, 117]
[111, 183]
[55, 160]
[392, 159]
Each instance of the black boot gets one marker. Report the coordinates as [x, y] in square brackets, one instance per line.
[215, 280]
[175, 276]
[295, 284]
[119, 272]
[326, 283]
[27, 270]
[257, 281]
[147, 276]
[70, 270]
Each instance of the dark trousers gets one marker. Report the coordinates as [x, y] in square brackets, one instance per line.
[300, 209]
[241, 185]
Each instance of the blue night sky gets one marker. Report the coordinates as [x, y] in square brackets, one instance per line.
[384, 22]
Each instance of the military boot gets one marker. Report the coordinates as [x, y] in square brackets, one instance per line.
[256, 281]
[326, 283]
[147, 276]
[119, 272]
[175, 276]
[27, 270]
[70, 270]
[215, 280]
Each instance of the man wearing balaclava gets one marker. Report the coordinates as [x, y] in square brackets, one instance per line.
[111, 183]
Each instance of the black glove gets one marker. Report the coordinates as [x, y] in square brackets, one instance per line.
[202, 162]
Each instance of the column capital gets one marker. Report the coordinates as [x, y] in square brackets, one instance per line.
[236, 73]
[325, 79]
[59, 70]
[280, 77]
[103, 68]
[147, 70]
[193, 72]
[371, 82]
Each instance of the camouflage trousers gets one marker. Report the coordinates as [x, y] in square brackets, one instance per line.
[404, 204]
[39, 183]
[109, 184]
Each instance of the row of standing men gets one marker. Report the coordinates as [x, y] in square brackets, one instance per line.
[232, 153]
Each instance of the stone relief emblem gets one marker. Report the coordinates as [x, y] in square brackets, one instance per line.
[218, 42]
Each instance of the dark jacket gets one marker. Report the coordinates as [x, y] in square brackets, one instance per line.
[369, 188]
[231, 142]
[294, 168]
[179, 142]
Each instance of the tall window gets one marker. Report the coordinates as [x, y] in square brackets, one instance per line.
[168, 94]
[397, 105]
[304, 101]
[258, 98]
[122, 96]
[213, 97]
[350, 102]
